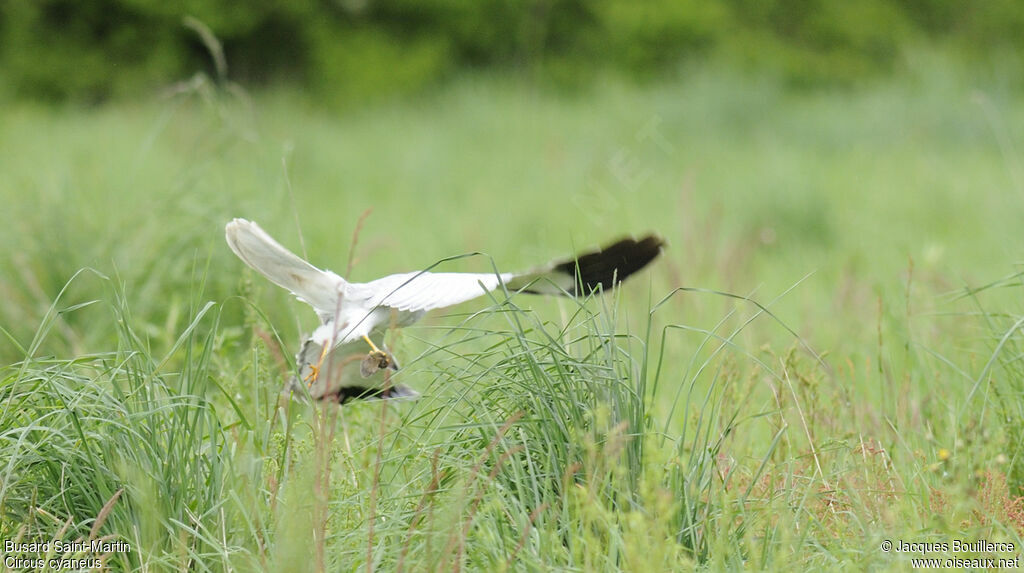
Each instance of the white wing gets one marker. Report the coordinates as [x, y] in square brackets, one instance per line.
[257, 249]
[422, 291]
[597, 270]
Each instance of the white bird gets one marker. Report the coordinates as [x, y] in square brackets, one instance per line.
[350, 313]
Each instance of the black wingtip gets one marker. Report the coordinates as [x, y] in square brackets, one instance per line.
[605, 268]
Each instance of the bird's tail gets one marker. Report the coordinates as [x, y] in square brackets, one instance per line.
[343, 394]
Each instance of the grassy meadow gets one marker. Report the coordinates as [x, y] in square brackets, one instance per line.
[827, 356]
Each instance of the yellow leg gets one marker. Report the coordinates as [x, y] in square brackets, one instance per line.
[314, 370]
[370, 342]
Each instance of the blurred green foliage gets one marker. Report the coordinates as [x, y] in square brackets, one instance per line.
[348, 50]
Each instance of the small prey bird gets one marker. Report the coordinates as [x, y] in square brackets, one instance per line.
[352, 314]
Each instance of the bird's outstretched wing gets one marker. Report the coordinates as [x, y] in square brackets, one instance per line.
[257, 249]
[600, 269]
[422, 291]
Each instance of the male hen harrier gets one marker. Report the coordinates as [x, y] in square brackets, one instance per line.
[350, 313]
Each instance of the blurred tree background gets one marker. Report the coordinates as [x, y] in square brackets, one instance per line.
[344, 51]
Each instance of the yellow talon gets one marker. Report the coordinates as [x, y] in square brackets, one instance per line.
[314, 371]
[375, 360]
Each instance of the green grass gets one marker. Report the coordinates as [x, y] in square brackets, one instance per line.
[864, 384]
